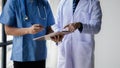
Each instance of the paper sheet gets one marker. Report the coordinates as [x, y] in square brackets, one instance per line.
[47, 37]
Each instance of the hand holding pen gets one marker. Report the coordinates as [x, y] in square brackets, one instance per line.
[35, 28]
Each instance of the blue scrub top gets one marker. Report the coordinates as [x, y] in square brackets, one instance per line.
[13, 14]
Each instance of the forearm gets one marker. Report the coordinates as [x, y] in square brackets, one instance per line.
[91, 28]
[16, 31]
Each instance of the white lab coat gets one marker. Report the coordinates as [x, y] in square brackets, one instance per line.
[77, 49]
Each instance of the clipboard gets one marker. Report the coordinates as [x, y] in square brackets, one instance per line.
[48, 36]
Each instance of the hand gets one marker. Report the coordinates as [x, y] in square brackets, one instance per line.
[73, 26]
[35, 28]
[57, 38]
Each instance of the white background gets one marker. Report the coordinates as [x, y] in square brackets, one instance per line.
[107, 51]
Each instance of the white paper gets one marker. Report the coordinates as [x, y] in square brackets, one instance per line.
[48, 36]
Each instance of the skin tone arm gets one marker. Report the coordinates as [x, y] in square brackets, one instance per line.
[22, 31]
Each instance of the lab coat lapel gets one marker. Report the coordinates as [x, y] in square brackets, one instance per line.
[70, 7]
[68, 12]
[80, 5]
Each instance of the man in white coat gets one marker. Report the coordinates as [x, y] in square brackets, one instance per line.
[83, 18]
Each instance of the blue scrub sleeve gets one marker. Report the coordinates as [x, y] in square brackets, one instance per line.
[8, 14]
[50, 18]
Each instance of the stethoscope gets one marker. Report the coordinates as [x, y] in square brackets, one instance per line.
[26, 18]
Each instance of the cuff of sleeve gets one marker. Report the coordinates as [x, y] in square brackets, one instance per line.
[81, 27]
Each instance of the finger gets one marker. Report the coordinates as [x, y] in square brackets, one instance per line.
[36, 25]
[73, 27]
[38, 28]
[58, 38]
[61, 37]
[66, 26]
[40, 25]
[70, 28]
[55, 39]
[52, 38]
[76, 25]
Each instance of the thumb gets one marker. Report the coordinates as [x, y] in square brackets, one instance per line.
[66, 26]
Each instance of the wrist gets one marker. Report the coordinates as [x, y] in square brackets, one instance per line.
[27, 31]
[80, 27]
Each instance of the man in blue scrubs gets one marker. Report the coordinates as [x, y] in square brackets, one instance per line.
[25, 20]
